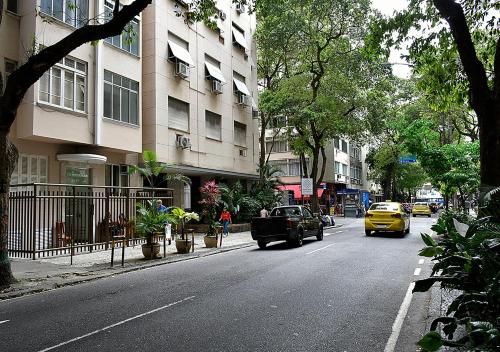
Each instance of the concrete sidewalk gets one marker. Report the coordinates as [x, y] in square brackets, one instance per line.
[46, 274]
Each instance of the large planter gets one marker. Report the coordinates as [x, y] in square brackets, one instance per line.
[146, 250]
[183, 246]
[210, 241]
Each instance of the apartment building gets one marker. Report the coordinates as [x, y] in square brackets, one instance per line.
[200, 88]
[345, 178]
[181, 89]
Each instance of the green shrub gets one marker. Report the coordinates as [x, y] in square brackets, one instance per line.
[467, 256]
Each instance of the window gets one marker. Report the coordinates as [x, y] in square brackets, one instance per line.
[336, 143]
[294, 168]
[10, 66]
[355, 152]
[282, 166]
[73, 12]
[178, 114]
[65, 85]
[239, 86]
[121, 98]
[30, 169]
[178, 50]
[340, 168]
[344, 146]
[213, 125]
[277, 122]
[128, 40]
[12, 6]
[278, 146]
[239, 38]
[117, 175]
[344, 169]
[212, 70]
[240, 134]
[356, 173]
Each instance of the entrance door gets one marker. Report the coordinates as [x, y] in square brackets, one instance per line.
[78, 205]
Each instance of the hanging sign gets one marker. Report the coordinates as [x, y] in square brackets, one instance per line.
[307, 186]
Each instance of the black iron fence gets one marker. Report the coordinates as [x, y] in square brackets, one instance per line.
[57, 219]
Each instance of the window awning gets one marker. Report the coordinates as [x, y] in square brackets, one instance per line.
[181, 53]
[239, 38]
[83, 158]
[215, 72]
[241, 87]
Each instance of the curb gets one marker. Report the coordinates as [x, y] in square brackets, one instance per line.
[95, 275]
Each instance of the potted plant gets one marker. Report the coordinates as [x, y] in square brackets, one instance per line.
[211, 193]
[183, 244]
[149, 223]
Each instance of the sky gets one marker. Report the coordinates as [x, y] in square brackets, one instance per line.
[387, 7]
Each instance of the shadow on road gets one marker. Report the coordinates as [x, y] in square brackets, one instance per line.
[387, 235]
[280, 246]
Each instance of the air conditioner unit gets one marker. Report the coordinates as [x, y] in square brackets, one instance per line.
[216, 87]
[244, 100]
[222, 15]
[183, 142]
[240, 8]
[181, 69]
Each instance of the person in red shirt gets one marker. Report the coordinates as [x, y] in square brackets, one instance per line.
[225, 217]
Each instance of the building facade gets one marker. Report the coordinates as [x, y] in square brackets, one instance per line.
[181, 89]
[345, 179]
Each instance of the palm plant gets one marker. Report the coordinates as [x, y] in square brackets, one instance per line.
[152, 168]
[182, 217]
[151, 221]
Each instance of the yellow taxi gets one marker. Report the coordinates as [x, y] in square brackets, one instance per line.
[421, 208]
[387, 216]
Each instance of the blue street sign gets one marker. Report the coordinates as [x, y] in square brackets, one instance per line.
[407, 159]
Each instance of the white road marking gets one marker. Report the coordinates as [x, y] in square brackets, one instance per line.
[116, 324]
[398, 323]
[320, 249]
[417, 271]
[332, 233]
[4, 321]
[421, 261]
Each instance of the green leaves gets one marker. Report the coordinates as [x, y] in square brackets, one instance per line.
[431, 342]
[430, 251]
[428, 240]
[467, 261]
[152, 169]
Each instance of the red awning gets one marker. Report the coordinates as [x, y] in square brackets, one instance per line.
[296, 191]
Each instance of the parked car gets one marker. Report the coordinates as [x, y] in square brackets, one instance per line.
[421, 208]
[287, 223]
[326, 219]
[387, 216]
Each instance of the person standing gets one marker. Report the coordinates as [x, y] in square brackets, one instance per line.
[264, 213]
[225, 217]
[161, 208]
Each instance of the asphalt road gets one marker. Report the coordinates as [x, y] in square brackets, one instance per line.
[340, 294]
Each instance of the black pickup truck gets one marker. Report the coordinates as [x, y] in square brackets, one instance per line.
[288, 223]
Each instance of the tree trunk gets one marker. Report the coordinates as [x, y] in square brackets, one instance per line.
[262, 141]
[8, 160]
[484, 101]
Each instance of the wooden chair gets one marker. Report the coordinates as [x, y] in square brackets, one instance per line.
[62, 238]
